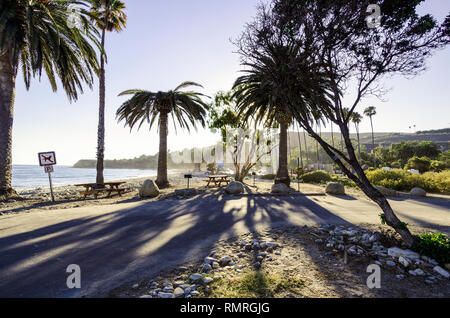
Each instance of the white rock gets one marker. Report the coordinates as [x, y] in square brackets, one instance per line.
[418, 192]
[417, 272]
[404, 261]
[165, 295]
[195, 277]
[207, 280]
[149, 189]
[178, 293]
[209, 260]
[397, 252]
[206, 268]
[441, 271]
[390, 263]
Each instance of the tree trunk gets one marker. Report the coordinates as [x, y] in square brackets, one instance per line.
[7, 92]
[162, 180]
[283, 173]
[373, 145]
[101, 119]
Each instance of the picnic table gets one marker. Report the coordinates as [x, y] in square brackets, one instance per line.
[217, 180]
[94, 189]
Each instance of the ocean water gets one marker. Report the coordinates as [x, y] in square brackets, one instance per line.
[27, 177]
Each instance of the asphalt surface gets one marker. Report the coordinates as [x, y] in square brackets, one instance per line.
[114, 244]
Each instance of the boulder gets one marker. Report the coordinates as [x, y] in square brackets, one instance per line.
[195, 277]
[397, 252]
[179, 293]
[234, 187]
[149, 189]
[387, 192]
[441, 271]
[335, 188]
[418, 192]
[280, 188]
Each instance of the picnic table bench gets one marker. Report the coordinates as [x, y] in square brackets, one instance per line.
[217, 180]
[95, 190]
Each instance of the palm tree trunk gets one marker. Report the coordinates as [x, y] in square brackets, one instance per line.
[7, 92]
[101, 119]
[359, 144]
[283, 172]
[373, 145]
[162, 180]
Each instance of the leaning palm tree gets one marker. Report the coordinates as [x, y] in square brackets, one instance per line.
[37, 36]
[186, 107]
[108, 16]
[370, 112]
[356, 119]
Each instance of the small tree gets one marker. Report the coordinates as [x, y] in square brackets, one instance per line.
[339, 53]
[245, 147]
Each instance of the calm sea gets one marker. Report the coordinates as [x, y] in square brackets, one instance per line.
[27, 177]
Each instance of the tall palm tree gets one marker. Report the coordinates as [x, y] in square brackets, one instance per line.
[370, 112]
[186, 107]
[260, 96]
[108, 16]
[356, 119]
[36, 36]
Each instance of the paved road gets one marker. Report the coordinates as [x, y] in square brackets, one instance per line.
[116, 243]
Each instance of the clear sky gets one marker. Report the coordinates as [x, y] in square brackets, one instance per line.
[168, 42]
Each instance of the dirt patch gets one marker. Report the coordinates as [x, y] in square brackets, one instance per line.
[298, 267]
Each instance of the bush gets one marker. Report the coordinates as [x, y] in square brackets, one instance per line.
[268, 177]
[434, 245]
[319, 176]
[402, 180]
[437, 165]
[422, 164]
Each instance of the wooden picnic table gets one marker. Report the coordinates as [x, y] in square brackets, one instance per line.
[218, 179]
[94, 189]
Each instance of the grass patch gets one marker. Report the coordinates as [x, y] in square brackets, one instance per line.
[256, 285]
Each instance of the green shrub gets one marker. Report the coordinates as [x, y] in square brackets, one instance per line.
[319, 176]
[268, 177]
[422, 164]
[402, 180]
[437, 165]
[434, 245]
[343, 180]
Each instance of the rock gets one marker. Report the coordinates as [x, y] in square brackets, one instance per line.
[418, 192]
[225, 260]
[149, 189]
[397, 252]
[257, 265]
[215, 265]
[390, 263]
[417, 272]
[387, 192]
[135, 286]
[195, 277]
[165, 295]
[207, 280]
[375, 237]
[234, 187]
[441, 271]
[403, 261]
[178, 293]
[335, 188]
[280, 188]
[206, 268]
[194, 293]
[400, 276]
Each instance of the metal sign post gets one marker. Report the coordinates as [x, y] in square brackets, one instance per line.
[188, 176]
[47, 160]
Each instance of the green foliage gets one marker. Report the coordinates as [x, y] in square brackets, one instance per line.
[402, 180]
[434, 245]
[422, 164]
[319, 176]
[437, 165]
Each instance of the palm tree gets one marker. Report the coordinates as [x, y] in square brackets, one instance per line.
[36, 36]
[356, 119]
[259, 96]
[370, 112]
[108, 16]
[186, 107]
